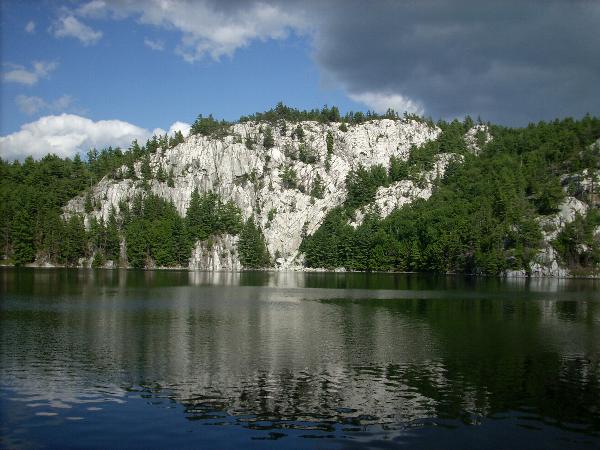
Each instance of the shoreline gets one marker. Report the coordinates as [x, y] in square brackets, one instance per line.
[305, 270]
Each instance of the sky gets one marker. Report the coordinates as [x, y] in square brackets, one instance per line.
[82, 74]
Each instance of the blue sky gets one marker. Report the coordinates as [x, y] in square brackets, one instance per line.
[77, 74]
[120, 77]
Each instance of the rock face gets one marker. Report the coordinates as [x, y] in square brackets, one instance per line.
[240, 168]
[477, 137]
[547, 262]
[216, 253]
[401, 193]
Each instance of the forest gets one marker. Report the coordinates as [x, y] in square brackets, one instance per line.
[483, 216]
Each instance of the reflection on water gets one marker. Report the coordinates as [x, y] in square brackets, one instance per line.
[238, 359]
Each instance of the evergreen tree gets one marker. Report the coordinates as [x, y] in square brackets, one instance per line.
[318, 189]
[252, 247]
[22, 235]
[74, 241]
[113, 241]
[230, 218]
[329, 141]
[268, 141]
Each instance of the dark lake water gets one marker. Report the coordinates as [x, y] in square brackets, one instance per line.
[105, 359]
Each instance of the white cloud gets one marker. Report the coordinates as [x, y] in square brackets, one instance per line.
[68, 134]
[208, 28]
[30, 27]
[70, 26]
[19, 74]
[380, 102]
[154, 45]
[31, 104]
[180, 126]
[95, 8]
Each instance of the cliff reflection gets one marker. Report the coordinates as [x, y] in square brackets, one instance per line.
[295, 347]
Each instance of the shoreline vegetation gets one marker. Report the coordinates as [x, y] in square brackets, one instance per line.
[499, 204]
[339, 270]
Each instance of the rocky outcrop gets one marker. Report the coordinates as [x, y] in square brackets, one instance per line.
[404, 192]
[216, 253]
[547, 262]
[477, 137]
[240, 168]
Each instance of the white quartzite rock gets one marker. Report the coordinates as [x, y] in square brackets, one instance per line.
[251, 177]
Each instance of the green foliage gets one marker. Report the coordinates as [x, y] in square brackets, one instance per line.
[298, 133]
[343, 127]
[207, 215]
[282, 113]
[201, 219]
[306, 154]
[289, 178]
[171, 179]
[155, 233]
[161, 174]
[329, 141]
[145, 168]
[252, 247]
[318, 189]
[208, 126]
[230, 218]
[73, 241]
[577, 244]
[268, 141]
[481, 216]
[88, 204]
[362, 185]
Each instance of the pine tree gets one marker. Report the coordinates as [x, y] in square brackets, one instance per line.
[171, 180]
[252, 247]
[329, 140]
[113, 242]
[268, 141]
[318, 189]
[22, 234]
[201, 217]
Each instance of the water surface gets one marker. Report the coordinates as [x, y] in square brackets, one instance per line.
[101, 359]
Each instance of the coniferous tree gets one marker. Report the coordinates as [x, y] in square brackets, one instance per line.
[22, 235]
[252, 247]
[268, 141]
[329, 141]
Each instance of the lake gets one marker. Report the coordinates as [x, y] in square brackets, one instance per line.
[168, 359]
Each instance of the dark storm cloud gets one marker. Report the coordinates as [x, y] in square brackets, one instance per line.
[508, 61]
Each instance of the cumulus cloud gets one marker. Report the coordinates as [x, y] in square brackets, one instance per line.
[157, 45]
[68, 134]
[208, 27]
[180, 126]
[31, 105]
[17, 73]
[30, 27]
[70, 26]
[381, 102]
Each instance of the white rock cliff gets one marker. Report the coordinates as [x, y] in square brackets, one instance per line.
[251, 177]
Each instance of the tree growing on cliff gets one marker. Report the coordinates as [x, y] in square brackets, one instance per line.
[252, 247]
[268, 141]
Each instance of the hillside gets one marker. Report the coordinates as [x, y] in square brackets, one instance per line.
[368, 193]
